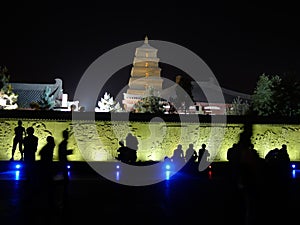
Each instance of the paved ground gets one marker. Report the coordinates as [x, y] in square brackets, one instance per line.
[188, 197]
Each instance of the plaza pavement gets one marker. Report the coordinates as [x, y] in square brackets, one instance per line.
[187, 197]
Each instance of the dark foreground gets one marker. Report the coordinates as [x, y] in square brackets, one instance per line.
[188, 197]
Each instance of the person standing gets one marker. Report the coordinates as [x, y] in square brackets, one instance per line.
[30, 144]
[45, 170]
[63, 152]
[20, 133]
[203, 157]
[46, 159]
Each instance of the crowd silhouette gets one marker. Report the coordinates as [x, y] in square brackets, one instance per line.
[45, 185]
[258, 183]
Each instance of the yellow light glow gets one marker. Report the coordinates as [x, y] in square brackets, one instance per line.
[156, 140]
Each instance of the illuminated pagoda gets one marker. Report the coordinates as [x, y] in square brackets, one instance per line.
[145, 74]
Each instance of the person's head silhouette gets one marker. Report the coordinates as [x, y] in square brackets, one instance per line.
[50, 140]
[284, 147]
[65, 134]
[30, 130]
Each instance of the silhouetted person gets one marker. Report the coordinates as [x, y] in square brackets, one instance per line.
[63, 153]
[20, 133]
[191, 157]
[278, 162]
[46, 159]
[272, 163]
[128, 153]
[250, 165]
[46, 183]
[284, 161]
[125, 154]
[203, 157]
[62, 177]
[178, 155]
[233, 160]
[272, 156]
[121, 151]
[132, 144]
[30, 144]
[232, 154]
[191, 154]
[278, 177]
[250, 187]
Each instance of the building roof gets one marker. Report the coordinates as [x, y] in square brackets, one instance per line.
[203, 90]
[207, 91]
[32, 92]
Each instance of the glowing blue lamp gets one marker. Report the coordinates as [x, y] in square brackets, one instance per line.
[293, 166]
[168, 166]
[18, 166]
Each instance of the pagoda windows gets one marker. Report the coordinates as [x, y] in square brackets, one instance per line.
[145, 73]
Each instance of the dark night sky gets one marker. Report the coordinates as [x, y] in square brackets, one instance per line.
[238, 41]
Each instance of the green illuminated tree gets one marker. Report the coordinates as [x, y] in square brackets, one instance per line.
[263, 101]
[277, 95]
[151, 103]
[47, 101]
[287, 95]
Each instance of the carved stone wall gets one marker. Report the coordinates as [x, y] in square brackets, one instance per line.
[98, 140]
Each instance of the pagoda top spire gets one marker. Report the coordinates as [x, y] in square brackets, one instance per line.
[146, 46]
[146, 39]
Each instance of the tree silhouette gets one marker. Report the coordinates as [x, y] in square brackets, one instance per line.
[277, 95]
[263, 102]
[8, 99]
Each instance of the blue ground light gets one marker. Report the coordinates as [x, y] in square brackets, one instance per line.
[14, 171]
[295, 171]
[170, 201]
[18, 166]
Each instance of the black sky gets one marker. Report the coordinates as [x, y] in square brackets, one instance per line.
[238, 41]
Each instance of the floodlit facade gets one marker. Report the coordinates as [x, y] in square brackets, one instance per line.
[145, 74]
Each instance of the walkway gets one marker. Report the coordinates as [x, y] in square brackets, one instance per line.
[185, 198]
